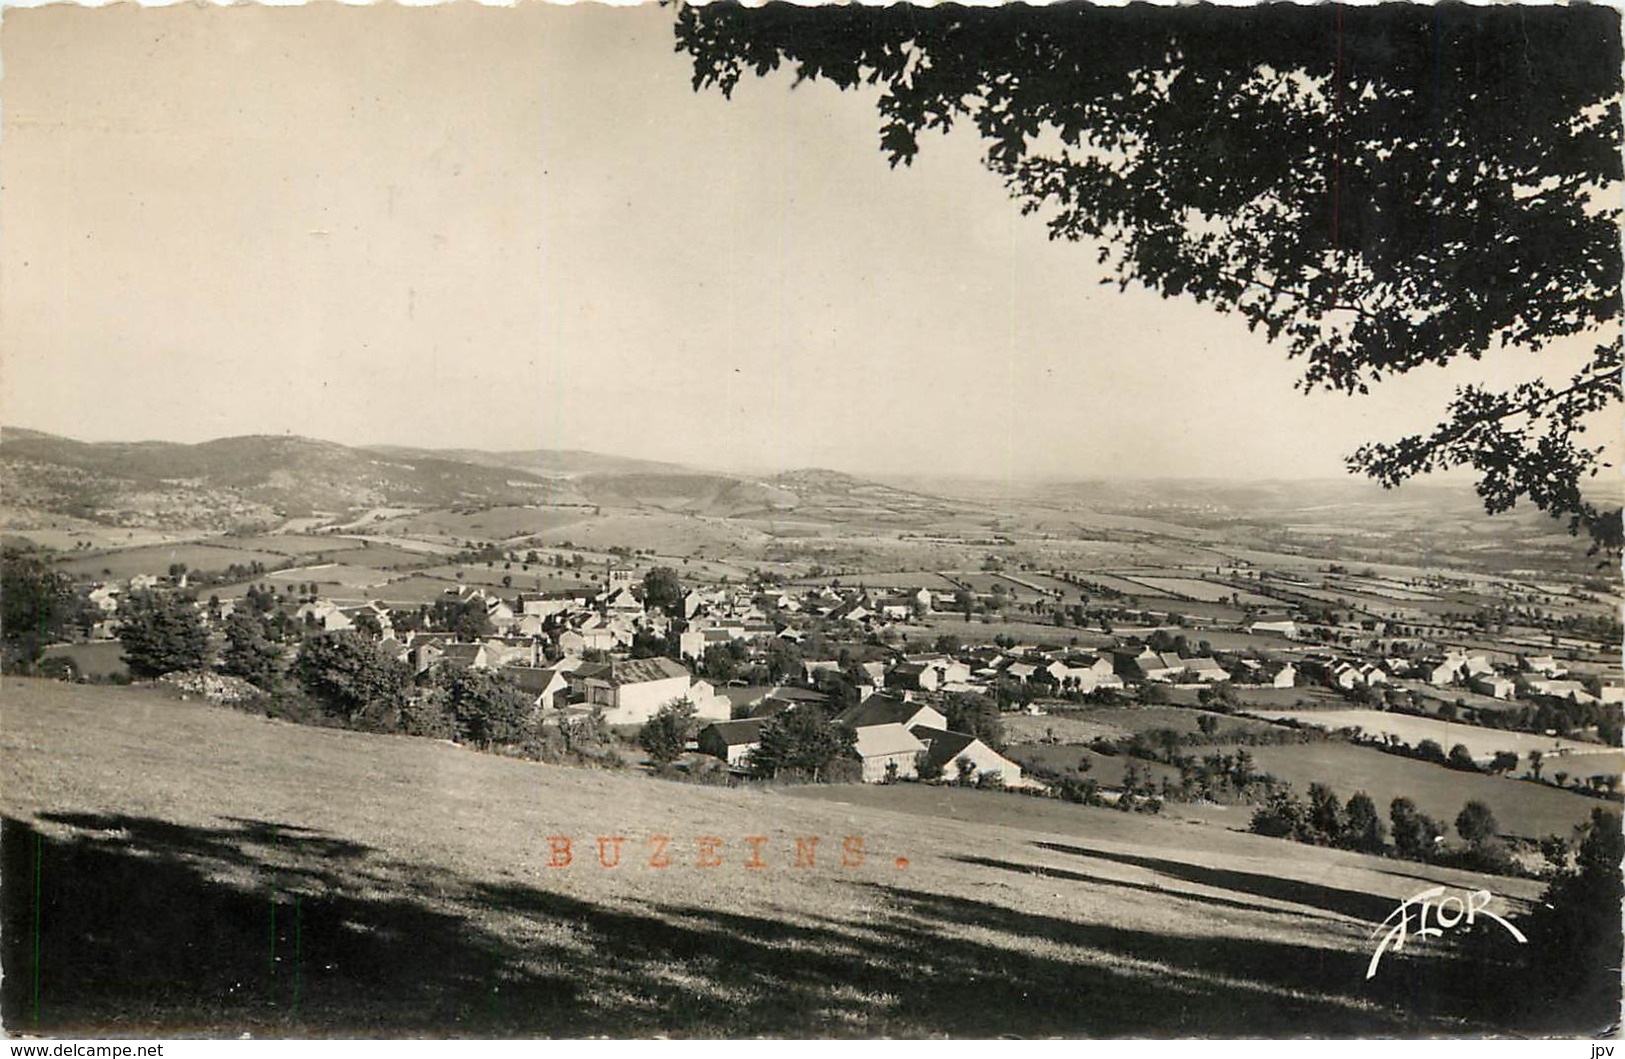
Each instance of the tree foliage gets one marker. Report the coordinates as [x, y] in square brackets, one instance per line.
[1574, 951]
[36, 603]
[663, 591]
[721, 661]
[976, 715]
[1377, 188]
[161, 632]
[1415, 833]
[665, 735]
[801, 742]
[464, 618]
[351, 676]
[485, 709]
[1476, 823]
[249, 653]
[1362, 826]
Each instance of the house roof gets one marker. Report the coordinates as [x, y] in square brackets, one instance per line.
[880, 739]
[744, 697]
[461, 652]
[941, 746]
[735, 733]
[532, 678]
[644, 670]
[788, 694]
[878, 710]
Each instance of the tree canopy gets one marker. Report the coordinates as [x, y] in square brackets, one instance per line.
[801, 741]
[485, 708]
[1378, 188]
[36, 602]
[351, 676]
[249, 653]
[663, 591]
[161, 632]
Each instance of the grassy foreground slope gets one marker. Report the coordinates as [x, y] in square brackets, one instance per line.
[172, 867]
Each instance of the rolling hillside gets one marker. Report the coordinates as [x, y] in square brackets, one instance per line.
[233, 480]
[247, 480]
[205, 871]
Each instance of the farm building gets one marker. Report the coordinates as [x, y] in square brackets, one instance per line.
[883, 709]
[888, 750]
[731, 741]
[548, 684]
[465, 656]
[1496, 687]
[1206, 670]
[631, 691]
[944, 750]
[914, 676]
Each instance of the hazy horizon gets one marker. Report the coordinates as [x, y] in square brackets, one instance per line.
[229, 220]
[1452, 481]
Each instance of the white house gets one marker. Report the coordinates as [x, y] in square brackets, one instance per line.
[944, 750]
[888, 750]
[632, 690]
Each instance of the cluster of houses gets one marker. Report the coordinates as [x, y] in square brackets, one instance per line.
[898, 738]
[571, 649]
[1534, 678]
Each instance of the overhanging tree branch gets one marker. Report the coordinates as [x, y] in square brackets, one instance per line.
[1379, 188]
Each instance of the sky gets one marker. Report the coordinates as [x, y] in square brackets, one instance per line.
[522, 228]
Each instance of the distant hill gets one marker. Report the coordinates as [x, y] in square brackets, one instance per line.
[264, 479]
[547, 463]
[261, 481]
[233, 481]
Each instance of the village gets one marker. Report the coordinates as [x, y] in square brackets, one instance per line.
[632, 638]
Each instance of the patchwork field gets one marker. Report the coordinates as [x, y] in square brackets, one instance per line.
[1201, 591]
[490, 524]
[1482, 743]
[157, 558]
[91, 660]
[298, 544]
[1082, 725]
[1023, 632]
[203, 871]
[1529, 810]
[333, 578]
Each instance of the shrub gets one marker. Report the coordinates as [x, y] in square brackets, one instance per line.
[665, 736]
[1476, 824]
[1415, 833]
[1461, 759]
[424, 715]
[1428, 750]
[1283, 815]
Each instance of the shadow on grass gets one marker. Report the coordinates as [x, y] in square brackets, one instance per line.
[117, 924]
[1363, 906]
[1047, 872]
